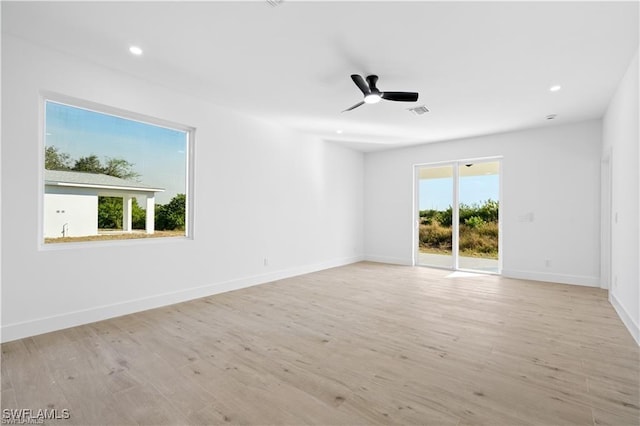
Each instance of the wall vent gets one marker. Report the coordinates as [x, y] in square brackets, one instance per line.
[419, 110]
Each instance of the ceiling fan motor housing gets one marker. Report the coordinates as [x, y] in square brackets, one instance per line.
[371, 81]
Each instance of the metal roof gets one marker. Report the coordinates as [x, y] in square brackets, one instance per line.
[93, 180]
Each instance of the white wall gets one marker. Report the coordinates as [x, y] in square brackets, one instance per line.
[261, 191]
[620, 139]
[73, 210]
[552, 172]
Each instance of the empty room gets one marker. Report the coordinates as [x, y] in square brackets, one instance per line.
[285, 212]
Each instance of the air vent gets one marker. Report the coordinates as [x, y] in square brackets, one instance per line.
[274, 3]
[419, 110]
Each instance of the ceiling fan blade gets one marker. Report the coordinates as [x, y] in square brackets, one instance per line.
[359, 81]
[354, 107]
[400, 96]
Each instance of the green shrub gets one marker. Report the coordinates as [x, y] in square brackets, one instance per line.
[427, 216]
[171, 216]
[109, 212]
[138, 215]
[445, 218]
[489, 211]
[474, 222]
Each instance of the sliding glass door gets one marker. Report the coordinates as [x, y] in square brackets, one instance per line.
[478, 207]
[458, 224]
[435, 233]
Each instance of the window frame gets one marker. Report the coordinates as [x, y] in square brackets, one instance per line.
[46, 96]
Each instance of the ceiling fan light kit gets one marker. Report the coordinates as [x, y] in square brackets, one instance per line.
[373, 95]
[372, 98]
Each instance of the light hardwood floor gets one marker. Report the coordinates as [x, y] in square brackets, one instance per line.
[362, 344]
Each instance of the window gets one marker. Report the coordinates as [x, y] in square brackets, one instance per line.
[112, 175]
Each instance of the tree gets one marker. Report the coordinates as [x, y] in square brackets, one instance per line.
[90, 164]
[172, 216]
[119, 167]
[56, 160]
[138, 215]
[109, 213]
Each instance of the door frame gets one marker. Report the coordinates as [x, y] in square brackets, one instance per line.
[455, 245]
[606, 219]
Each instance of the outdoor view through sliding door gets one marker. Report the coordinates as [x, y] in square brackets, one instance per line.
[478, 205]
[458, 225]
[436, 200]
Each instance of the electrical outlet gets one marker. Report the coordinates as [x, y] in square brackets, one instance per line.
[266, 261]
[547, 263]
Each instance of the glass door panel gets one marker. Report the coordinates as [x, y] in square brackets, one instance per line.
[435, 199]
[478, 208]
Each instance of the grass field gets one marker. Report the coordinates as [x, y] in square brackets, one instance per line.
[475, 241]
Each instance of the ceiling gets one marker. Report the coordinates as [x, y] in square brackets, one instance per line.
[480, 67]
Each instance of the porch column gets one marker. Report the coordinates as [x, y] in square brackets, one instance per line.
[126, 214]
[151, 215]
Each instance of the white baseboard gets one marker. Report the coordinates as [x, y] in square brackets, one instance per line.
[631, 325]
[586, 281]
[71, 319]
[390, 260]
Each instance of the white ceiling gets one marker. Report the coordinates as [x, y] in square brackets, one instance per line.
[480, 67]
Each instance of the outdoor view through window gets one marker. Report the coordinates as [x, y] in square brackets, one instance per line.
[111, 178]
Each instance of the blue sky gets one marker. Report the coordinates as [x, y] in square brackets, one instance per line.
[437, 194]
[158, 154]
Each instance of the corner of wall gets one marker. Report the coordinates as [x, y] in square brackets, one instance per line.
[620, 141]
[626, 319]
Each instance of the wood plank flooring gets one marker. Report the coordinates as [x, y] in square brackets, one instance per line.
[363, 344]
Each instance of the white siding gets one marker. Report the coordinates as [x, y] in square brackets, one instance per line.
[78, 213]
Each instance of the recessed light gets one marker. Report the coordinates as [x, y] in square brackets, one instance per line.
[339, 131]
[555, 88]
[551, 116]
[135, 50]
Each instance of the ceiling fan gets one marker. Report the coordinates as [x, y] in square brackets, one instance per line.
[372, 95]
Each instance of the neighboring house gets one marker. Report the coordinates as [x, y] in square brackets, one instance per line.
[71, 202]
